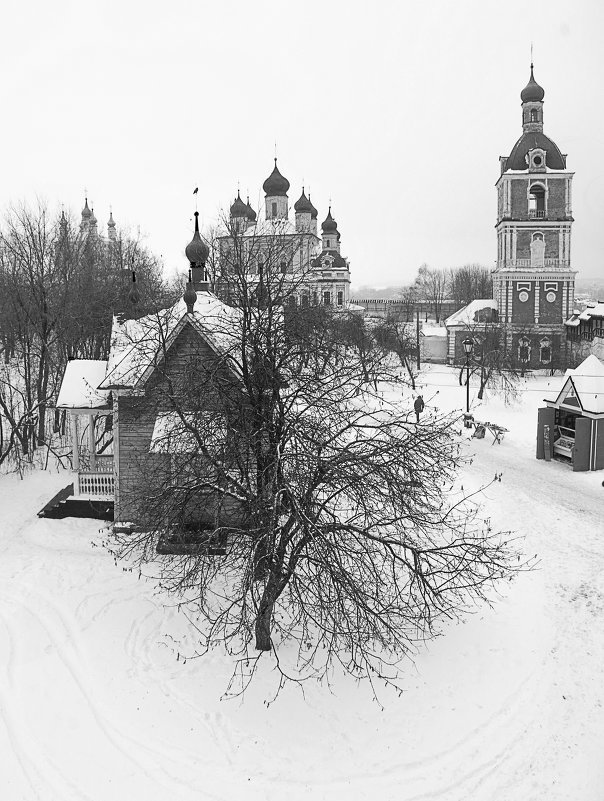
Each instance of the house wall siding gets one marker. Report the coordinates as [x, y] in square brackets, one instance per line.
[140, 471]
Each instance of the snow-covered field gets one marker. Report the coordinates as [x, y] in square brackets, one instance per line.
[97, 701]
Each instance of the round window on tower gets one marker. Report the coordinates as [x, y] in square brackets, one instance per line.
[537, 161]
[523, 296]
[550, 297]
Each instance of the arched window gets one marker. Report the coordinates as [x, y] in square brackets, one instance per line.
[524, 350]
[283, 267]
[274, 209]
[536, 199]
[534, 115]
[545, 351]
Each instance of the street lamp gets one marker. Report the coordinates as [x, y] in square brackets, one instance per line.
[468, 346]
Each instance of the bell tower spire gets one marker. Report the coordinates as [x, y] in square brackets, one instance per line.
[532, 105]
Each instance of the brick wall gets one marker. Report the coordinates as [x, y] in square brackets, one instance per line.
[550, 311]
[556, 199]
[519, 199]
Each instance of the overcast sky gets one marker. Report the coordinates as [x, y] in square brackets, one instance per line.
[397, 110]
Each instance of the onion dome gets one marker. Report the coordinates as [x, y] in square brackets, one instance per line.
[134, 295]
[314, 213]
[275, 184]
[93, 219]
[532, 92]
[329, 225]
[111, 221]
[190, 295]
[303, 204]
[239, 209]
[197, 251]
[86, 213]
[251, 214]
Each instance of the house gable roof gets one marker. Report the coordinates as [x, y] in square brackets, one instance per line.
[468, 315]
[138, 346]
[586, 382]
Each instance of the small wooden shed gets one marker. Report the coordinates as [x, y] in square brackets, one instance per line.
[571, 427]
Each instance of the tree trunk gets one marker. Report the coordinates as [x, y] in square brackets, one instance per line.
[263, 626]
[261, 560]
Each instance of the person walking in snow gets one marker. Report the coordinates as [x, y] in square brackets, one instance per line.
[418, 406]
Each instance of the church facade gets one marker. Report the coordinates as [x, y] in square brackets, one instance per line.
[311, 263]
[533, 282]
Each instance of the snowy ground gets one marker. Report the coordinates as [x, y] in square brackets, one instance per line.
[506, 707]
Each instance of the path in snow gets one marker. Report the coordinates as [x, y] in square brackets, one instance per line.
[508, 705]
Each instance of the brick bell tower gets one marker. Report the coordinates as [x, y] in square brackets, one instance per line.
[533, 283]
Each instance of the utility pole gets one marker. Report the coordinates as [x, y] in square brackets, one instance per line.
[417, 339]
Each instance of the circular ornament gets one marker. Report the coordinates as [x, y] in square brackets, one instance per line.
[523, 296]
[550, 297]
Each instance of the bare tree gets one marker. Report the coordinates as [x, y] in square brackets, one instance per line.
[334, 533]
[58, 292]
[432, 287]
[468, 283]
[399, 338]
[492, 361]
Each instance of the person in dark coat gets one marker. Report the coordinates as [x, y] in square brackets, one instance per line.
[418, 406]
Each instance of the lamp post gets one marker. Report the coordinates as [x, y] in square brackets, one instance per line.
[468, 346]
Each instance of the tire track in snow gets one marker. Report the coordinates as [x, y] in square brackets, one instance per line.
[144, 757]
[139, 647]
[42, 774]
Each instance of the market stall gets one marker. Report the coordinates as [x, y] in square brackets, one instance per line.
[571, 427]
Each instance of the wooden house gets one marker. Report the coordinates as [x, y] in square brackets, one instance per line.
[147, 394]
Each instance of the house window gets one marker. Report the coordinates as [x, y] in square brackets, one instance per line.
[326, 298]
[283, 268]
[304, 300]
[315, 298]
[340, 298]
[545, 351]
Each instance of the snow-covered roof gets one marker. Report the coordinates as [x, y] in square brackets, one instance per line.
[591, 310]
[588, 382]
[137, 345]
[467, 315]
[79, 388]
[433, 330]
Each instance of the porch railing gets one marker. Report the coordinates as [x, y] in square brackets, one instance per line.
[98, 482]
